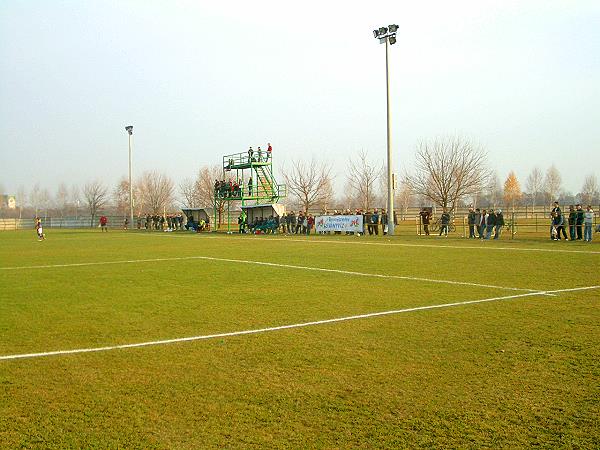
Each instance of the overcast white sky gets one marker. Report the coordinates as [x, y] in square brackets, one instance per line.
[201, 79]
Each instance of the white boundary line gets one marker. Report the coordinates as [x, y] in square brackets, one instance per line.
[261, 263]
[285, 327]
[319, 239]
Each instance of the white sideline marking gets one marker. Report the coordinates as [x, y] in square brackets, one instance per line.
[286, 327]
[261, 263]
[318, 239]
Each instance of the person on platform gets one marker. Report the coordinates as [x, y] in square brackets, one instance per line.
[269, 151]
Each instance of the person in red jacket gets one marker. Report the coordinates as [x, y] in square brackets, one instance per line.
[104, 223]
[310, 221]
[269, 151]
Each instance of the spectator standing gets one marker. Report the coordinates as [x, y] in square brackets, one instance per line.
[499, 224]
[293, 222]
[572, 220]
[553, 214]
[269, 151]
[559, 222]
[481, 224]
[367, 220]
[384, 222]
[588, 221]
[375, 222]
[477, 220]
[490, 223]
[579, 222]
[250, 185]
[471, 220]
[250, 153]
[242, 222]
[310, 221]
[445, 219]
[425, 218]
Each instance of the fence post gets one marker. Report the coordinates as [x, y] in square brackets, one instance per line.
[512, 225]
[464, 227]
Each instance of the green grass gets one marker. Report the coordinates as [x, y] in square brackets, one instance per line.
[514, 373]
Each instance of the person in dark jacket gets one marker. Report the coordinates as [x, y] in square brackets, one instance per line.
[572, 220]
[481, 224]
[471, 220]
[499, 224]
[559, 223]
[375, 222]
[425, 220]
[445, 222]
[579, 222]
[490, 223]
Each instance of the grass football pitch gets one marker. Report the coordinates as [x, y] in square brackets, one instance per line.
[175, 340]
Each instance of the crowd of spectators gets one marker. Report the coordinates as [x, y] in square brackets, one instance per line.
[579, 223]
[228, 189]
[164, 222]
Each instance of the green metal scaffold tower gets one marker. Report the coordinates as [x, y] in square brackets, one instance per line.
[247, 178]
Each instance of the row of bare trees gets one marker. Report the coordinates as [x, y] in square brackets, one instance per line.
[448, 172]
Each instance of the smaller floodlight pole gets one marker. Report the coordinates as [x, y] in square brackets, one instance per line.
[388, 36]
[129, 130]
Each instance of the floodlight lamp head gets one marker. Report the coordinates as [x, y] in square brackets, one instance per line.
[393, 28]
[129, 129]
[392, 39]
[375, 33]
[382, 30]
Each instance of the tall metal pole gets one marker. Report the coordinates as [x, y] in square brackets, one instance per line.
[389, 148]
[130, 188]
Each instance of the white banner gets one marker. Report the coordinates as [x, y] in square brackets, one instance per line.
[339, 223]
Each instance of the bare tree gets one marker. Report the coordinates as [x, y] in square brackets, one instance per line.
[61, 199]
[308, 182]
[447, 170]
[75, 198]
[589, 190]
[494, 190]
[552, 183]
[121, 197]
[95, 195]
[189, 196]
[534, 185]
[34, 197]
[157, 191]
[204, 190]
[403, 198]
[362, 178]
[21, 199]
[326, 197]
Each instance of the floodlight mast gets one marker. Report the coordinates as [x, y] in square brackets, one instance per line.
[388, 36]
[129, 130]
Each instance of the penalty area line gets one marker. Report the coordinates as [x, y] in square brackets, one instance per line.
[287, 327]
